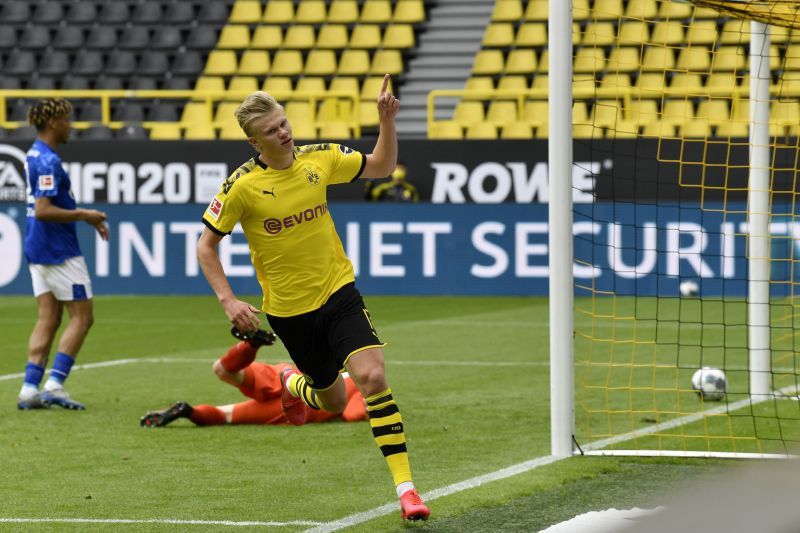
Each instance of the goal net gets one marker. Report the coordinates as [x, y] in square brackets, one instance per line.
[688, 256]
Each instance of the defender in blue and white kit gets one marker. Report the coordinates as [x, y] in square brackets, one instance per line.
[58, 271]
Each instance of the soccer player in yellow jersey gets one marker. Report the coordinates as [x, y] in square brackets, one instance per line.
[279, 198]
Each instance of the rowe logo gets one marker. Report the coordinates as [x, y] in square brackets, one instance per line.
[273, 226]
[12, 170]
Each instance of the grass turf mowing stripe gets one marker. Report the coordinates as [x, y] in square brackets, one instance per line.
[154, 521]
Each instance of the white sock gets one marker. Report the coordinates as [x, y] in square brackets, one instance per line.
[53, 385]
[28, 391]
[404, 487]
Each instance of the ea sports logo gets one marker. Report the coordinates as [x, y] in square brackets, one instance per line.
[12, 170]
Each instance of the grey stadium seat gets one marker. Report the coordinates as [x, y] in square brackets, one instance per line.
[114, 13]
[164, 112]
[131, 133]
[179, 13]
[48, 13]
[25, 133]
[18, 111]
[153, 64]
[147, 13]
[177, 84]
[88, 63]
[15, 12]
[20, 63]
[135, 38]
[140, 83]
[54, 63]
[41, 84]
[166, 38]
[128, 112]
[187, 64]
[108, 83]
[121, 62]
[35, 38]
[97, 133]
[8, 37]
[10, 84]
[82, 12]
[74, 83]
[202, 37]
[102, 38]
[213, 11]
[68, 38]
[90, 111]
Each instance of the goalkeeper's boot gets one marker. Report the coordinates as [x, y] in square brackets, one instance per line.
[158, 419]
[33, 401]
[61, 398]
[293, 407]
[412, 507]
[256, 339]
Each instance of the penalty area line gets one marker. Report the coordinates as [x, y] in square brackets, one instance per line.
[171, 521]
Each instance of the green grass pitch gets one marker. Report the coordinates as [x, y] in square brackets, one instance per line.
[470, 375]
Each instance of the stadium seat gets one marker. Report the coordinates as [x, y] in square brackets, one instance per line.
[516, 130]
[246, 12]
[589, 60]
[234, 36]
[716, 111]
[675, 10]
[739, 129]
[677, 111]
[279, 12]
[202, 38]
[299, 36]
[446, 129]
[196, 113]
[277, 84]
[587, 131]
[501, 112]
[537, 10]
[304, 130]
[335, 131]
[498, 34]
[514, 83]
[68, 38]
[221, 63]
[48, 13]
[387, 62]
[541, 81]
[623, 59]
[131, 133]
[650, 82]
[544, 62]
[15, 12]
[346, 84]
[267, 37]
[580, 112]
[231, 132]
[616, 80]
[641, 9]
[20, 63]
[166, 38]
[121, 63]
[633, 33]
[728, 58]
[210, 83]
[200, 132]
[332, 36]
[376, 11]
[97, 133]
[101, 38]
[736, 32]
[467, 113]
[694, 58]
[10, 84]
[81, 13]
[253, 63]
[531, 34]
[24, 133]
[41, 84]
[521, 61]
[114, 13]
[658, 58]
[701, 32]
[18, 112]
[335, 110]
[365, 36]
[134, 38]
[163, 112]
[507, 11]
[187, 64]
[606, 114]
[241, 84]
[74, 83]
[299, 111]
[343, 12]
[398, 36]
[488, 62]
[34, 38]
[480, 131]
[409, 11]
[607, 10]
[322, 62]
[479, 83]
[128, 112]
[599, 34]
[287, 63]
[153, 64]
[225, 114]
[353, 63]
[697, 128]
[8, 37]
[147, 12]
[310, 12]
[371, 88]
[165, 132]
[667, 33]
[213, 12]
[311, 84]
[179, 13]
[108, 83]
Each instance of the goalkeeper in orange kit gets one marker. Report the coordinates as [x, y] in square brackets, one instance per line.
[261, 383]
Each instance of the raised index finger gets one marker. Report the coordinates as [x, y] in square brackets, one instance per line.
[385, 84]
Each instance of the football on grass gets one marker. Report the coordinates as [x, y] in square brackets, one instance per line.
[689, 289]
[710, 383]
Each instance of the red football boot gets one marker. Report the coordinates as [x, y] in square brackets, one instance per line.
[412, 507]
[293, 408]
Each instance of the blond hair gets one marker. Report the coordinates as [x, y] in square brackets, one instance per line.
[255, 106]
[42, 111]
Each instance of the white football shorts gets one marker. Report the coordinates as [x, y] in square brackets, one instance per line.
[68, 281]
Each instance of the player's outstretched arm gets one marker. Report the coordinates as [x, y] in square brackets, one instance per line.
[241, 314]
[383, 159]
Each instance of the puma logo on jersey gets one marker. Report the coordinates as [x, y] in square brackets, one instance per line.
[272, 192]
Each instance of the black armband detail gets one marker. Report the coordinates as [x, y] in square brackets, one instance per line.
[215, 230]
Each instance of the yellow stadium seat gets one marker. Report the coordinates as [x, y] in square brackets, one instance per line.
[196, 113]
[785, 112]
[677, 111]
[694, 58]
[332, 36]
[789, 83]
[733, 130]
[624, 59]
[791, 60]
[245, 12]
[698, 128]
[165, 132]
[221, 63]
[210, 83]
[515, 83]
[287, 63]
[299, 111]
[537, 10]
[689, 83]
[354, 63]
[343, 12]
[740, 109]
[279, 12]
[586, 131]
[398, 36]
[481, 130]
[310, 12]
[242, 84]
[589, 60]
[231, 132]
[335, 110]
[468, 113]
[607, 10]
[650, 82]
[667, 33]
[641, 112]
[516, 130]
[501, 112]
[445, 129]
[311, 84]
[365, 36]
[580, 10]
[633, 33]
[774, 57]
[479, 83]
[536, 113]
[544, 62]
[254, 63]
[225, 114]
[658, 58]
[660, 129]
[371, 88]
[231, 36]
[614, 80]
[498, 34]
[200, 132]
[531, 34]
[599, 34]
[376, 11]
[300, 36]
[267, 37]
[277, 84]
[304, 130]
[507, 11]
[606, 113]
[625, 130]
[409, 11]
[321, 63]
[584, 85]
[779, 34]
[488, 62]
[641, 9]
[727, 58]
[521, 61]
[335, 131]
[368, 114]
[541, 81]
[702, 32]
[675, 10]
[736, 31]
[706, 13]
[349, 85]
[387, 62]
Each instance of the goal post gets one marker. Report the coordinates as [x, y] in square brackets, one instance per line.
[687, 114]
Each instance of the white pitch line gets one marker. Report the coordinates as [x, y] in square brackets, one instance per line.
[155, 521]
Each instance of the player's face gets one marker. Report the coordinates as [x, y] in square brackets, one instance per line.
[272, 133]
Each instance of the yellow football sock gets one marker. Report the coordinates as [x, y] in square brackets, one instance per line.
[387, 429]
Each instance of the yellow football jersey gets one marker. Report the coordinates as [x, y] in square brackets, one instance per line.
[297, 254]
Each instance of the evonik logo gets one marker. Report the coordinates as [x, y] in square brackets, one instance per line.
[273, 226]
